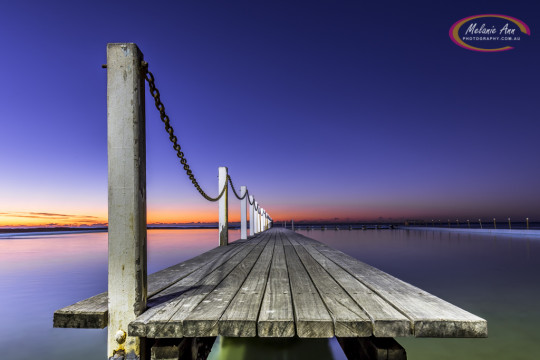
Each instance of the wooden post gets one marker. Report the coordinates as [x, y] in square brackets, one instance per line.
[527, 223]
[127, 197]
[509, 224]
[494, 223]
[223, 207]
[261, 228]
[292, 225]
[243, 213]
[251, 216]
[256, 217]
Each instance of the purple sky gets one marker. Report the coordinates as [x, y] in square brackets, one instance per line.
[324, 109]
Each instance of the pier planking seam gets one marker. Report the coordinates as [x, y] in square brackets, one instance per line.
[382, 319]
[276, 314]
[166, 319]
[430, 316]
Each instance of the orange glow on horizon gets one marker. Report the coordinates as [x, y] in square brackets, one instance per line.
[50, 219]
[199, 214]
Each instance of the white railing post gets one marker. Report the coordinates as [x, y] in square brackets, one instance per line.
[292, 225]
[243, 213]
[127, 197]
[256, 217]
[259, 220]
[223, 207]
[251, 216]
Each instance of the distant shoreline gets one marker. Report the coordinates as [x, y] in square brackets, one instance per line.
[519, 232]
[45, 229]
[102, 229]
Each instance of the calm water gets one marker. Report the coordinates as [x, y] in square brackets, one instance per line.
[493, 277]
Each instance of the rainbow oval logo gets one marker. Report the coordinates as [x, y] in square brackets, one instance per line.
[488, 32]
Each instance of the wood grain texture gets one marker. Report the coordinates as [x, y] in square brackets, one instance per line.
[276, 317]
[90, 313]
[349, 319]
[203, 319]
[310, 314]
[386, 320]
[240, 318]
[165, 319]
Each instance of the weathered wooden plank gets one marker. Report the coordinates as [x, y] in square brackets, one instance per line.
[204, 319]
[276, 317]
[201, 319]
[349, 319]
[92, 313]
[240, 317]
[431, 316]
[387, 321]
[159, 302]
[311, 317]
[186, 294]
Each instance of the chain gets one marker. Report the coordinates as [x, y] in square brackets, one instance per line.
[234, 190]
[165, 118]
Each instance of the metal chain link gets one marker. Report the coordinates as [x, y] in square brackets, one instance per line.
[161, 108]
[234, 190]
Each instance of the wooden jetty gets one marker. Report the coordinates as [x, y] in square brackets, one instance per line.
[274, 284]
[279, 283]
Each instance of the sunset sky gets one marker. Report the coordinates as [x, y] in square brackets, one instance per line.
[326, 110]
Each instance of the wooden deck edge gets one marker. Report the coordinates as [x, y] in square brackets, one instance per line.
[80, 320]
[276, 328]
[451, 329]
[91, 313]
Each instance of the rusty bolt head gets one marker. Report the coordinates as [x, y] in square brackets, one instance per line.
[120, 336]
